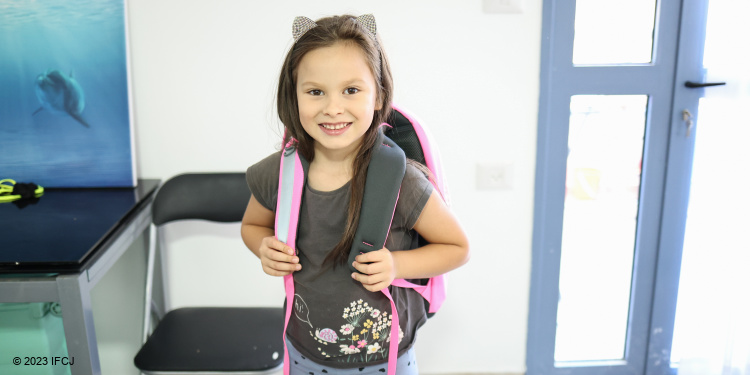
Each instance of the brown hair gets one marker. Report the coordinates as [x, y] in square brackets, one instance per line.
[329, 31]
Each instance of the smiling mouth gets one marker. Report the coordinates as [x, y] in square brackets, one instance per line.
[337, 126]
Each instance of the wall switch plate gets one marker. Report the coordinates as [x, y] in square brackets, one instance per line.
[494, 176]
[502, 6]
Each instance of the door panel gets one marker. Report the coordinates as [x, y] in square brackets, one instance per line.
[677, 186]
[569, 236]
[711, 328]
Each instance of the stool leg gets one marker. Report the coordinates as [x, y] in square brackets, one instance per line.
[149, 281]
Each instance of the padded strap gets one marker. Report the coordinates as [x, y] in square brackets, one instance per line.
[291, 182]
[292, 176]
[384, 176]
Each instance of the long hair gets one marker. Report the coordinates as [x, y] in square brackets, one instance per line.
[329, 31]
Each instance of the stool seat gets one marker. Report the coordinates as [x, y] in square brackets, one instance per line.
[215, 339]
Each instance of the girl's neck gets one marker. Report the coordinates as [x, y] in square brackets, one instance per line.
[330, 170]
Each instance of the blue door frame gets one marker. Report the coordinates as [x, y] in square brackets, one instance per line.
[667, 161]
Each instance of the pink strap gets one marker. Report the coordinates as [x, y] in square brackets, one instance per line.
[433, 292]
[393, 348]
[289, 289]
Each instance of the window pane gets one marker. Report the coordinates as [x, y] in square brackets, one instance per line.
[605, 146]
[613, 31]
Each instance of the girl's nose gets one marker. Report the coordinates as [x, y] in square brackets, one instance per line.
[333, 106]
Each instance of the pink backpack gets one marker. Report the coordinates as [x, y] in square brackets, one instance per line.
[403, 137]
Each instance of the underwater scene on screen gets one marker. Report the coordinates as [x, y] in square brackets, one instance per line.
[64, 99]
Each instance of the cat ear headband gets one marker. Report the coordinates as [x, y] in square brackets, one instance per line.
[303, 24]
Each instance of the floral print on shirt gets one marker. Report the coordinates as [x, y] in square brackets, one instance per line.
[364, 336]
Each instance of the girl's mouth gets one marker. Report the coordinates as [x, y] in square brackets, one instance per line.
[335, 128]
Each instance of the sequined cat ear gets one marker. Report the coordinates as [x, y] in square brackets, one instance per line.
[301, 25]
[368, 21]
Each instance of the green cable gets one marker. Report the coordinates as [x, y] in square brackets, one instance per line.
[6, 191]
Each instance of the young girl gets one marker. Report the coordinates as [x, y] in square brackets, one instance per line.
[335, 90]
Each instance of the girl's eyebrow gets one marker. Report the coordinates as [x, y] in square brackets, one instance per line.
[345, 83]
[353, 81]
[309, 83]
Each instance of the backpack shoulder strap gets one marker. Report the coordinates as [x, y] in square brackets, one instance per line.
[292, 174]
[384, 176]
[292, 171]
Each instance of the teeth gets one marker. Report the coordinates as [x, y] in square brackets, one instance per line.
[335, 127]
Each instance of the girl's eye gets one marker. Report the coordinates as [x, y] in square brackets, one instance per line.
[315, 92]
[351, 90]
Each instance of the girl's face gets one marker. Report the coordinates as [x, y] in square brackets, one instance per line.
[337, 97]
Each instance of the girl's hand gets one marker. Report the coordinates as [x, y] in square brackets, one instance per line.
[377, 269]
[277, 258]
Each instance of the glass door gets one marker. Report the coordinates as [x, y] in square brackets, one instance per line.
[711, 333]
[640, 255]
[608, 73]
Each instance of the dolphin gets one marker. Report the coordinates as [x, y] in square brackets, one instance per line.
[60, 94]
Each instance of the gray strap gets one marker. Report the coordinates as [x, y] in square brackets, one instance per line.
[384, 176]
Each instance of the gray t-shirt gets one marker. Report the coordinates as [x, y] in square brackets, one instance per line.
[335, 320]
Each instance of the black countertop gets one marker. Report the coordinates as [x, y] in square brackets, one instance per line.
[65, 229]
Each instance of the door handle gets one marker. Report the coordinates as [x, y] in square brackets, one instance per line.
[693, 85]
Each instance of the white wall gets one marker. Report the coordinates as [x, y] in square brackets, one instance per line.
[204, 76]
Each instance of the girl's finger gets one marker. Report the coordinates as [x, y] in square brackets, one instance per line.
[283, 268]
[374, 287]
[282, 257]
[277, 245]
[273, 272]
[364, 269]
[367, 280]
[370, 257]
[370, 268]
[286, 267]
[377, 287]
[373, 256]
[359, 277]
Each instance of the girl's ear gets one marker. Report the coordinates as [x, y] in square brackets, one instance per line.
[378, 103]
